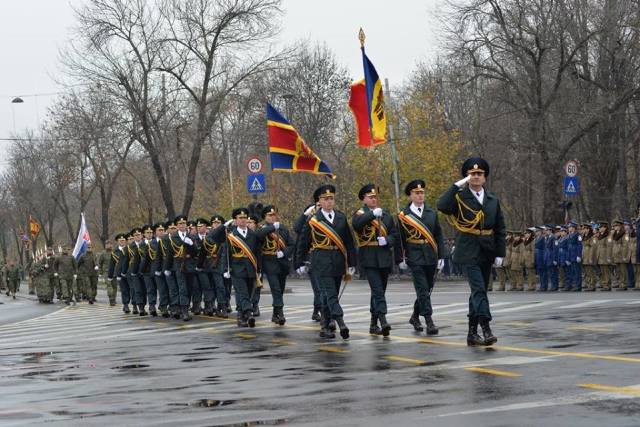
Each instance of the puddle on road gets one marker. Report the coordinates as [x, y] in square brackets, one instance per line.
[207, 348]
[39, 373]
[563, 345]
[201, 359]
[132, 366]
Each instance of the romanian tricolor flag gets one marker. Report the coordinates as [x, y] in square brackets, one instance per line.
[34, 227]
[367, 105]
[287, 149]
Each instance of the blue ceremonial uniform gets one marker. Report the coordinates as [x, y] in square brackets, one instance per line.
[539, 249]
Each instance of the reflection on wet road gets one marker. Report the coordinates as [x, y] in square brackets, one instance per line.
[560, 358]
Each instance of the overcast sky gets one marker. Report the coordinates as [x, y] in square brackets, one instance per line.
[399, 35]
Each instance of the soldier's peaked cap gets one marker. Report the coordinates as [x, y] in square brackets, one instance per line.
[368, 190]
[475, 164]
[217, 218]
[157, 225]
[240, 213]
[269, 209]
[180, 219]
[415, 185]
[202, 221]
[146, 228]
[324, 191]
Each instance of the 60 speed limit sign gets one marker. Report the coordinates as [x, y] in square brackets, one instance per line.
[571, 168]
[254, 165]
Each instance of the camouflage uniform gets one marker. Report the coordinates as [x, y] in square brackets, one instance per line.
[13, 280]
[516, 264]
[66, 270]
[88, 275]
[110, 282]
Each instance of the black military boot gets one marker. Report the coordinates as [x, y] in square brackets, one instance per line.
[164, 312]
[432, 329]
[274, 315]
[196, 310]
[256, 311]
[473, 339]
[185, 313]
[281, 319]
[415, 321]
[332, 325]
[384, 325]
[142, 311]
[251, 321]
[316, 314]
[374, 329]
[242, 321]
[135, 309]
[224, 311]
[125, 308]
[489, 338]
[112, 303]
[326, 332]
[152, 310]
[177, 313]
[344, 331]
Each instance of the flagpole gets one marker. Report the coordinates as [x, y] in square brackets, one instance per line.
[394, 151]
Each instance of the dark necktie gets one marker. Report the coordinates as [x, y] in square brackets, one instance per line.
[420, 211]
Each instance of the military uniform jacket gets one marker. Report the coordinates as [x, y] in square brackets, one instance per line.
[588, 250]
[528, 253]
[87, 265]
[603, 248]
[575, 246]
[184, 257]
[370, 254]
[49, 266]
[103, 261]
[618, 251]
[420, 253]
[66, 266]
[211, 257]
[152, 261]
[123, 260]
[472, 248]
[539, 252]
[135, 254]
[115, 256]
[272, 241]
[240, 265]
[326, 259]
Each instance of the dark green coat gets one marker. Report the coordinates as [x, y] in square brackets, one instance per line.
[271, 264]
[374, 256]
[87, 265]
[240, 267]
[422, 254]
[471, 248]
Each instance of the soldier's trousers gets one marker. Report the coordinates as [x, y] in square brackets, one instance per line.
[631, 276]
[621, 281]
[561, 276]
[552, 274]
[377, 278]
[517, 279]
[244, 288]
[317, 294]
[478, 276]
[137, 289]
[219, 290]
[197, 288]
[125, 290]
[277, 283]
[172, 286]
[150, 289]
[81, 286]
[576, 276]
[163, 290]
[44, 289]
[227, 287]
[206, 290]
[255, 297]
[531, 278]
[502, 279]
[112, 290]
[67, 285]
[422, 276]
[13, 285]
[182, 280]
[90, 286]
[32, 285]
[590, 275]
[544, 278]
[330, 290]
[605, 277]
[636, 274]
[58, 288]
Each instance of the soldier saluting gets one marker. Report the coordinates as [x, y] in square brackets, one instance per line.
[376, 234]
[480, 241]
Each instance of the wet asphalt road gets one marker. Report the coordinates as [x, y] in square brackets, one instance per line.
[562, 359]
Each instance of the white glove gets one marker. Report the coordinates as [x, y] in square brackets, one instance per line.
[403, 266]
[440, 264]
[228, 223]
[157, 273]
[96, 268]
[578, 259]
[46, 266]
[309, 210]
[568, 263]
[226, 275]
[463, 181]
[75, 276]
[188, 241]
[301, 270]
[276, 225]
[279, 254]
[382, 241]
[498, 261]
[377, 212]
[55, 274]
[351, 271]
[555, 263]
[167, 273]
[118, 278]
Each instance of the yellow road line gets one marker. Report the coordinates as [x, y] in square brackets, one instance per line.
[405, 359]
[493, 372]
[634, 391]
[244, 335]
[518, 324]
[332, 350]
[282, 341]
[588, 329]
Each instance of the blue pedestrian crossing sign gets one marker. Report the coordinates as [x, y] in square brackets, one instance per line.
[571, 185]
[256, 183]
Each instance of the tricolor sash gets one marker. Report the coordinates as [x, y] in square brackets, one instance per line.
[280, 244]
[413, 222]
[328, 231]
[379, 225]
[246, 251]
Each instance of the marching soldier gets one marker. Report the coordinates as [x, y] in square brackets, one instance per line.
[277, 248]
[589, 257]
[183, 252]
[376, 234]
[148, 268]
[160, 293]
[205, 287]
[327, 240]
[298, 226]
[575, 248]
[13, 279]
[242, 245]
[66, 270]
[603, 254]
[480, 241]
[194, 285]
[217, 264]
[561, 257]
[118, 270]
[252, 223]
[135, 252]
[421, 250]
[48, 278]
[632, 255]
[88, 274]
[103, 264]
[618, 252]
[528, 258]
[167, 248]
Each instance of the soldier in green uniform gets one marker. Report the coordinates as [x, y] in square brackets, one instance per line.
[167, 248]
[588, 257]
[618, 255]
[252, 223]
[115, 272]
[421, 249]
[277, 249]
[88, 274]
[13, 279]
[183, 253]
[103, 265]
[37, 277]
[327, 240]
[145, 274]
[135, 252]
[480, 241]
[516, 265]
[3, 275]
[376, 234]
[528, 258]
[603, 246]
[66, 269]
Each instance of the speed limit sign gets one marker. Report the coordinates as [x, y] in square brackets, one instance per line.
[571, 168]
[254, 165]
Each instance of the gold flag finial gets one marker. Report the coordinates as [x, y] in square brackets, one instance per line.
[361, 37]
